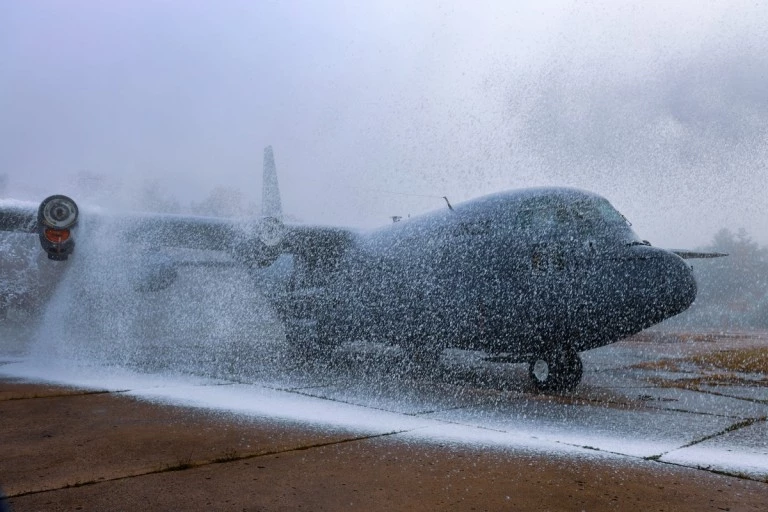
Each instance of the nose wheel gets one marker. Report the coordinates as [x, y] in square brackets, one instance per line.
[555, 369]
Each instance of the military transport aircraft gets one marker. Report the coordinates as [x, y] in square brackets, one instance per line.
[535, 275]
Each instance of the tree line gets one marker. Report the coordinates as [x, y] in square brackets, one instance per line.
[733, 291]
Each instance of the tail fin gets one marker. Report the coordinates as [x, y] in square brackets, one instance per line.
[270, 193]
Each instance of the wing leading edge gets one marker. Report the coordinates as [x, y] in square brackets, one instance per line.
[18, 216]
[255, 241]
[690, 255]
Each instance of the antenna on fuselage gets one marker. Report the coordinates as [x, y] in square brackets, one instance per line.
[397, 218]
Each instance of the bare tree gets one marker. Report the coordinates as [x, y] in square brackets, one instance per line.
[153, 198]
[733, 291]
[222, 202]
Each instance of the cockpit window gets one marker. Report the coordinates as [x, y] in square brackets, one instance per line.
[535, 218]
[542, 213]
[588, 216]
[597, 209]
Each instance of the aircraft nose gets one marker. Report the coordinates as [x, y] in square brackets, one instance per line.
[678, 286]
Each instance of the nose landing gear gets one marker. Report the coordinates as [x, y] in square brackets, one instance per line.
[555, 369]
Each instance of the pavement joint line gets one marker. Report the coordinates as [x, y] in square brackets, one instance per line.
[469, 425]
[184, 466]
[623, 387]
[296, 389]
[65, 395]
[300, 388]
[700, 413]
[231, 381]
[417, 414]
[657, 459]
[576, 400]
[433, 411]
[301, 393]
[674, 409]
[412, 414]
[731, 428]
[746, 399]
[601, 450]
[733, 474]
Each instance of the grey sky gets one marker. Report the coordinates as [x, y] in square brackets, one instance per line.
[661, 108]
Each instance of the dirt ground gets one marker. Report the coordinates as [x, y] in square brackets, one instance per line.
[69, 449]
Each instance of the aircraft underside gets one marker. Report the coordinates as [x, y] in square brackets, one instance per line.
[318, 318]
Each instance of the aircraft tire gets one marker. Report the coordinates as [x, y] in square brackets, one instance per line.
[556, 369]
[575, 370]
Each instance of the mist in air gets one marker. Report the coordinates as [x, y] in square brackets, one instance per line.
[661, 108]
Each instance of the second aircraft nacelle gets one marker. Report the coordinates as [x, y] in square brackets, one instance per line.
[56, 218]
[252, 252]
[263, 247]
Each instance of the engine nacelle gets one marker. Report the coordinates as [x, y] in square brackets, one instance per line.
[264, 247]
[253, 252]
[56, 218]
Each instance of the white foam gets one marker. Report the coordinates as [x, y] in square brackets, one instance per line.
[261, 401]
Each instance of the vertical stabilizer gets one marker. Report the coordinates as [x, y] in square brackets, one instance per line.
[270, 194]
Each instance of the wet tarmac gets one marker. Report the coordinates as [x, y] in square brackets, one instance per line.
[624, 407]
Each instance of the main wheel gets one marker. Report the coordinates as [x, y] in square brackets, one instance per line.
[556, 369]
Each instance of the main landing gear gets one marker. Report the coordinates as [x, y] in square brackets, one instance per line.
[308, 338]
[555, 369]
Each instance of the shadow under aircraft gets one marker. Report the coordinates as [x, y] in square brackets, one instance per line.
[535, 275]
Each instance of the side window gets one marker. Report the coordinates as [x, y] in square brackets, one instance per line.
[547, 258]
[534, 219]
[585, 219]
[542, 215]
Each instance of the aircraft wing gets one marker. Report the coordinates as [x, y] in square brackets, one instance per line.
[314, 242]
[154, 230]
[184, 231]
[18, 216]
[250, 241]
[255, 241]
[689, 255]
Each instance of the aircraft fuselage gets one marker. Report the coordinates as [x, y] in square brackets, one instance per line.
[538, 274]
[504, 274]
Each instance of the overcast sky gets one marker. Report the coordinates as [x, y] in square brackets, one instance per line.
[662, 107]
